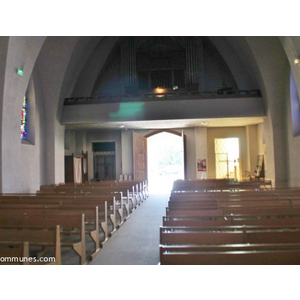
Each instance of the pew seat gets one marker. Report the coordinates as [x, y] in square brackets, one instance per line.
[18, 242]
[245, 257]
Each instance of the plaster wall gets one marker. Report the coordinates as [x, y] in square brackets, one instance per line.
[3, 55]
[228, 48]
[52, 65]
[22, 163]
[273, 76]
[252, 148]
[293, 142]
[201, 149]
[127, 159]
[70, 142]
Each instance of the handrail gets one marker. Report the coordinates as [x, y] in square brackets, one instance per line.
[101, 99]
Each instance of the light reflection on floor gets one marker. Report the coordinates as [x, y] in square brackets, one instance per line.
[162, 184]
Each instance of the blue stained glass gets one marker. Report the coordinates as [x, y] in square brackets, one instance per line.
[24, 119]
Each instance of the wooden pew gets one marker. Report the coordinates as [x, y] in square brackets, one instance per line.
[227, 247]
[16, 254]
[273, 193]
[133, 186]
[227, 205]
[74, 221]
[236, 211]
[70, 206]
[58, 201]
[26, 238]
[120, 193]
[214, 185]
[193, 213]
[64, 200]
[35, 217]
[190, 185]
[231, 220]
[220, 196]
[200, 227]
[230, 244]
[218, 235]
[246, 257]
[140, 188]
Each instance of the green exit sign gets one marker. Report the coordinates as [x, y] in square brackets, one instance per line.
[20, 72]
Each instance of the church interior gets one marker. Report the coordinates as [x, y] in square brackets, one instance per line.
[81, 91]
[177, 133]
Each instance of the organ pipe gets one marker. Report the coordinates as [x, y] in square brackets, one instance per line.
[192, 62]
[130, 63]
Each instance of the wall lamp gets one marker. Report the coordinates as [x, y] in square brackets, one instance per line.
[159, 90]
[297, 60]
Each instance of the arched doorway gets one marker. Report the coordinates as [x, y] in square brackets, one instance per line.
[166, 160]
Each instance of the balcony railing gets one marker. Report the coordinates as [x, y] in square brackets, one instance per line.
[162, 97]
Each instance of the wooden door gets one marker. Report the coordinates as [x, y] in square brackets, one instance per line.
[183, 136]
[105, 166]
[69, 174]
[139, 157]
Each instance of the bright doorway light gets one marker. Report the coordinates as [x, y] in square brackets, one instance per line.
[227, 158]
[165, 162]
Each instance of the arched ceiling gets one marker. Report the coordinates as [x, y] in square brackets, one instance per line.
[97, 51]
[89, 54]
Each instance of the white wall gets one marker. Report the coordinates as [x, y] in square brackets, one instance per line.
[22, 164]
[252, 148]
[201, 150]
[273, 84]
[3, 54]
[127, 150]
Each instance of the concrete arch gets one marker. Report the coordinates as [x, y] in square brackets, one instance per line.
[21, 52]
[163, 130]
[273, 79]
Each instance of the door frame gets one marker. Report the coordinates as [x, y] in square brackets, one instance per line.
[184, 144]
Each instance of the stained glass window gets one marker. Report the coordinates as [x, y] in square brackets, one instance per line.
[24, 119]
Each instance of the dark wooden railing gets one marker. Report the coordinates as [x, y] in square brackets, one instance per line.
[162, 96]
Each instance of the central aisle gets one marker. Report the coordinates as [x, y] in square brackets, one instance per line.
[137, 240]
